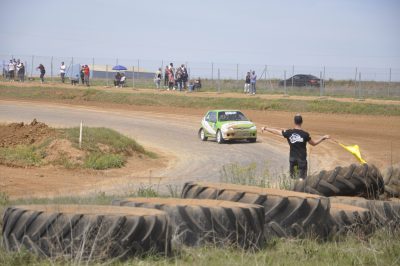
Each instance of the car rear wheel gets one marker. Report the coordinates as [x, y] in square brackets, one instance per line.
[252, 140]
[220, 139]
[202, 135]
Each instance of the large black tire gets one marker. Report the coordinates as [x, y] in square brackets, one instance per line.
[391, 177]
[87, 232]
[219, 137]
[287, 213]
[196, 221]
[355, 180]
[384, 213]
[348, 218]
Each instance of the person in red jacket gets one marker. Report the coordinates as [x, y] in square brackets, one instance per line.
[86, 72]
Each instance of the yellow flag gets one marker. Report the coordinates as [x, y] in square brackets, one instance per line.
[355, 150]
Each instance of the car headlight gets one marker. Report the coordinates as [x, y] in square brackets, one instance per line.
[253, 128]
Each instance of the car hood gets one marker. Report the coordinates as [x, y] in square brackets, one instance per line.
[237, 125]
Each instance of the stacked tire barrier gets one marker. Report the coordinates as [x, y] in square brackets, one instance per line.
[331, 203]
[198, 221]
[391, 177]
[287, 213]
[86, 232]
[354, 180]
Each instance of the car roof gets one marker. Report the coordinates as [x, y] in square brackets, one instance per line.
[223, 110]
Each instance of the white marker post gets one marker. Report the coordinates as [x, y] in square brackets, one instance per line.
[80, 135]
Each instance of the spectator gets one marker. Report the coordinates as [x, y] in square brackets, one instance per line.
[157, 78]
[178, 78]
[62, 72]
[195, 85]
[86, 72]
[42, 72]
[117, 79]
[21, 72]
[253, 79]
[185, 76]
[171, 80]
[247, 83]
[82, 74]
[166, 77]
[122, 80]
[11, 70]
[17, 67]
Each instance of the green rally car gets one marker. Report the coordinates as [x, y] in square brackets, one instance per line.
[227, 125]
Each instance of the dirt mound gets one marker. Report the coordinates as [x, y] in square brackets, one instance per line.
[62, 149]
[19, 133]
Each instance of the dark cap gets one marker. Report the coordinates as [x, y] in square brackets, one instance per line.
[298, 120]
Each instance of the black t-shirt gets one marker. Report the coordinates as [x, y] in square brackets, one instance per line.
[297, 140]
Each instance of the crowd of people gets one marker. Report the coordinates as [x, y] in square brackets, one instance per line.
[176, 79]
[15, 70]
[171, 79]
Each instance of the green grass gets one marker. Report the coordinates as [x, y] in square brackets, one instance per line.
[100, 161]
[21, 156]
[173, 100]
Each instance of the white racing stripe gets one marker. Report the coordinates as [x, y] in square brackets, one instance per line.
[207, 127]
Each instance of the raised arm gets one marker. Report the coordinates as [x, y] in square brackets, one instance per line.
[272, 130]
[315, 143]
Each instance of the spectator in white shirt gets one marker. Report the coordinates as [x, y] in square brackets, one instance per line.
[62, 72]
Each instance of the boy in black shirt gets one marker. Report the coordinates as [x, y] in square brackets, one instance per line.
[297, 139]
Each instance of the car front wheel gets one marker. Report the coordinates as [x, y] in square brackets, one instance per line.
[220, 139]
[202, 135]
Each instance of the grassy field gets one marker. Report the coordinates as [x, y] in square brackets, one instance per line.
[72, 95]
[103, 148]
[382, 248]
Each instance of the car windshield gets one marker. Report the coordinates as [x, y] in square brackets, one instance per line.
[231, 116]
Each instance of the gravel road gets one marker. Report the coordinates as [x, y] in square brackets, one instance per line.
[174, 135]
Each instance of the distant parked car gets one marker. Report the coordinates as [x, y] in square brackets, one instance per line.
[301, 80]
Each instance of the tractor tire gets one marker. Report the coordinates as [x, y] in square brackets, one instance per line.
[391, 178]
[348, 218]
[384, 213]
[287, 213]
[85, 232]
[198, 221]
[355, 180]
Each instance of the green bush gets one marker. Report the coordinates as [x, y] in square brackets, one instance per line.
[20, 156]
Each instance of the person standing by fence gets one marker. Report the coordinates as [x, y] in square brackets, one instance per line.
[247, 83]
[62, 72]
[253, 79]
[166, 77]
[86, 72]
[42, 72]
[21, 72]
[11, 70]
[157, 78]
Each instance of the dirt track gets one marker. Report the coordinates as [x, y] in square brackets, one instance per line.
[173, 131]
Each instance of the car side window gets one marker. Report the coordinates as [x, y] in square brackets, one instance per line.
[208, 117]
[213, 117]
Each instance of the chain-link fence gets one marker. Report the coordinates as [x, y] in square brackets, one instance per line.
[354, 82]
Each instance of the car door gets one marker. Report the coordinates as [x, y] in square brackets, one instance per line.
[209, 123]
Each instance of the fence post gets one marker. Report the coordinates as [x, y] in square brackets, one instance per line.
[237, 75]
[323, 78]
[284, 82]
[138, 69]
[107, 75]
[32, 66]
[390, 81]
[219, 81]
[51, 69]
[93, 68]
[292, 75]
[320, 85]
[133, 76]
[72, 68]
[355, 77]
[359, 86]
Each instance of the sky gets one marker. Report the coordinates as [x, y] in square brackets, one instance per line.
[342, 33]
